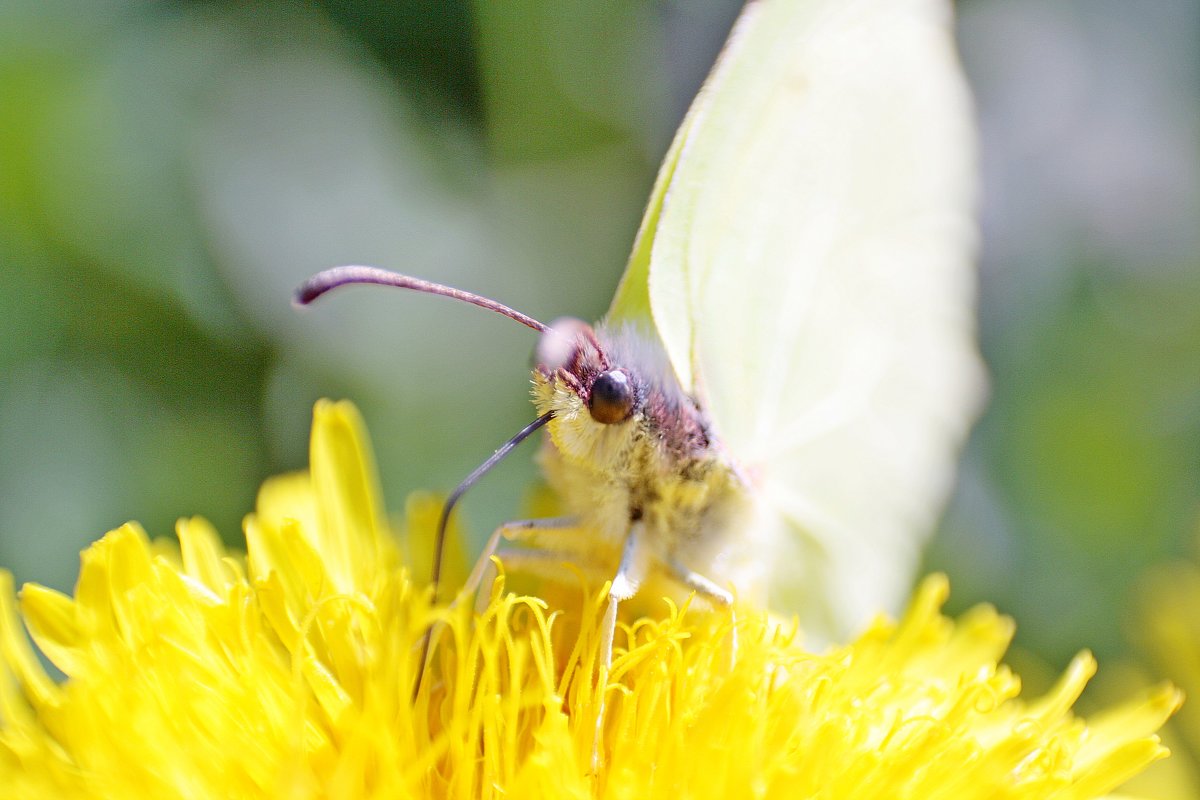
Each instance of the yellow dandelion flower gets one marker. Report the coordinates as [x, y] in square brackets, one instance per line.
[194, 672]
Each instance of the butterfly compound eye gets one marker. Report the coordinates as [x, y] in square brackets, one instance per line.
[611, 398]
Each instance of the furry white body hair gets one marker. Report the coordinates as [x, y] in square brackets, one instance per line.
[661, 471]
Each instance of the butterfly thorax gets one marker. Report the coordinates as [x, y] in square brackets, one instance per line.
[659, 468]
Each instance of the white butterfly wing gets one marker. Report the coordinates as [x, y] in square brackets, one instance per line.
[809, 251]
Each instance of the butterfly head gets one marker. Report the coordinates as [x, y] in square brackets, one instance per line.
[610, 390]
[575, 375]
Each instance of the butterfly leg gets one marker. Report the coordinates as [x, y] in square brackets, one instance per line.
[635, 562]
[544, 564]
[708, 589]
[699, 584]
[484, 570]
[548, 564]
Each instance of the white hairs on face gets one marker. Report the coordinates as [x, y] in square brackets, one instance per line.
[556, 347]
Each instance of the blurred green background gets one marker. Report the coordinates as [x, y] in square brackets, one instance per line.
[170, 171]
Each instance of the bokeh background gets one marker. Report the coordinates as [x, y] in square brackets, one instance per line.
[169, 171]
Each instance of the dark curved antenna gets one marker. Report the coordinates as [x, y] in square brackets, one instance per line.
[440, 541]
[328, 279]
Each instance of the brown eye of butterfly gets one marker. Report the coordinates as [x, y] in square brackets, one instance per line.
[611, 398]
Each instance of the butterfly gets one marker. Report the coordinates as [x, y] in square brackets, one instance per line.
[772, 407]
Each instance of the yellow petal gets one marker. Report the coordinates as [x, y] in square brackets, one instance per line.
[348, 497]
